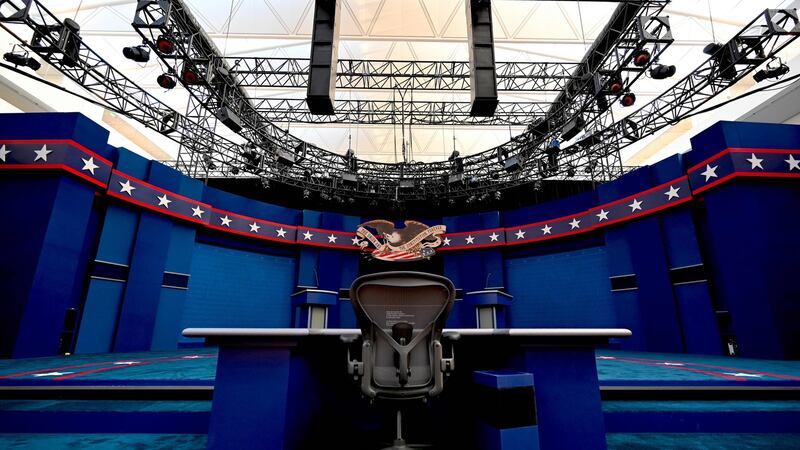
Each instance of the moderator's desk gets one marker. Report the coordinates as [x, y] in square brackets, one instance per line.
[289, 388]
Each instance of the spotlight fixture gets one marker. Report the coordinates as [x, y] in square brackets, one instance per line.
[498, 195]
[453, 155]
[570, 171]
[641, 58]
[306, 194]
[138, 53]
[166, 81]
[189, 76]
[165, 46]
[615, 85]
[22, 59]
[661, 71]
[771, 71]
[628, 99]
[537, 185]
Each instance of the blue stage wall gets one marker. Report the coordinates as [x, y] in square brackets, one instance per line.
[709, 266]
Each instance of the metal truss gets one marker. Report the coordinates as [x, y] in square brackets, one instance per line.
[396, 112]
[407, 75]
[205, 153]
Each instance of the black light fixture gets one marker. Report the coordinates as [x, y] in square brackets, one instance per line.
[166, 81]
[165, 45]
[662, 71]
[641, 57]
[22, 59]
[775, 71]
[138, 53]
[614, 85]
[189, 76]
[628, 99]
[306, 194]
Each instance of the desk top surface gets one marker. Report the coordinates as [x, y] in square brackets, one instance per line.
[268, 333]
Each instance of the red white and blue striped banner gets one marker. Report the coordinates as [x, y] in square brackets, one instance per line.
[72, 157]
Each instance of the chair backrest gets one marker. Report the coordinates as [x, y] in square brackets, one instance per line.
[401, 316]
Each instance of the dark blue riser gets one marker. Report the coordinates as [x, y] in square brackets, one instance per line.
[103, 422]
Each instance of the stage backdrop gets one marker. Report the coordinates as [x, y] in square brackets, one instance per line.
[106, 251]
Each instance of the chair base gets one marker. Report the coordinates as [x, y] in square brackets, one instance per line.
[400, 444]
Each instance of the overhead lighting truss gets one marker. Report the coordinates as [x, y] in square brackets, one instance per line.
[263, 151]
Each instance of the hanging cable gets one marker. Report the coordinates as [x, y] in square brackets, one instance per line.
[711, 19]
[75, 17]
[580, 19]
[228, 31]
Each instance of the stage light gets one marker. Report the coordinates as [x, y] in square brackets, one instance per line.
[306, 194]
[570, 171]
[69, 41]
[771, 72]
[166, 81]
[641, 58]
[189, 76]
[537, 185]
[660, 71]
[138, 53]
[615, 85]
[22, 59]
[165, 45]
[453, 155]
[498, 195]
[628, 99]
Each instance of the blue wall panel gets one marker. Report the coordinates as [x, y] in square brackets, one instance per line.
[235, 288]
[569, 289]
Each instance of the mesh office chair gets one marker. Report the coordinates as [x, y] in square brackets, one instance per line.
[401, 316]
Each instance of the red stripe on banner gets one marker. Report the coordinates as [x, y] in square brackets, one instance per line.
[162, 190]
[157, 209]
[709, 159]
[222, 212]
[461, 233]
[251, 234]
[58, 141]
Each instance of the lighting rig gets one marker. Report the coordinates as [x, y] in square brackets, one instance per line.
[475, 175]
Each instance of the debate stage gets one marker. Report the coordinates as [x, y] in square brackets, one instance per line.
[163, 400]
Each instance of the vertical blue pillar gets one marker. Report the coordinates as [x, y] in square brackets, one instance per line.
[48, 231]
[162, 251]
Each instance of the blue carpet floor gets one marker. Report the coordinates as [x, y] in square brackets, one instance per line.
[103, 441]
[702, 441]
[198, 366]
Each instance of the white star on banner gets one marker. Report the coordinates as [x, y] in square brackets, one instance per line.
[307, 236]
[755, 162]
[126, 187]
[51, 374]
[281, 232]
[470, 239]
[575, 223]
[125, 363]
[519, 234]
[637, 204]
[793, 163]
[88, 164]
[254, 227]
[672, 193]
[197, 212]
[546, 229]
[164, 201]
[603, 215]
[710, 172]
[493, 237]
[355, 240]
[332, 239]
[446, 241]
[42, 154]
[225, 221]
[4, 153]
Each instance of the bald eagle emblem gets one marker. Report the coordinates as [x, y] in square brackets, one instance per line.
[413, 242]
